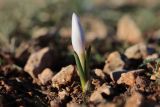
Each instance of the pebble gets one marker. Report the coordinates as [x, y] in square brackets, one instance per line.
[45, 76]
[64, 76]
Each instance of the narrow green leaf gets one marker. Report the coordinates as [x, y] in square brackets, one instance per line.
[80, 71]
[78, 63]
[87, 58]
[88, 52]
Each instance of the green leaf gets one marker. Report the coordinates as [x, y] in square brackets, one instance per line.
[80, 71]
[78, 63]
[87, 58]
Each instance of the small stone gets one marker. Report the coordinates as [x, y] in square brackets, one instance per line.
[135, 100]
[153, 77]
[129, 78]
[128, 31]
[106, 104]
[45, 76]
[97, 94]
[136, 51]
[38, 61]
[63, 95]
[64, 76]
[114, 62]
[30, 93]
[99, 73]
[96, 97]
[71, 104]
[96, 30]
[54, 103]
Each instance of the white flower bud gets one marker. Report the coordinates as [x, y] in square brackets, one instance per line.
[78, 41]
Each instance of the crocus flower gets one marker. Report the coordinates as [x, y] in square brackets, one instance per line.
[78, 41]
[81, 55]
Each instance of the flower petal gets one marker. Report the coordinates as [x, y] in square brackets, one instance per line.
[78, 41]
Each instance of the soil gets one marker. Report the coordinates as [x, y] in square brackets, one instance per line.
[133, 85]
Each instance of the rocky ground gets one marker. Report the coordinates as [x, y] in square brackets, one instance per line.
[38, 74]
[37, 67]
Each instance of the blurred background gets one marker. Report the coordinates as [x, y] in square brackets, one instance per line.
[109, 24]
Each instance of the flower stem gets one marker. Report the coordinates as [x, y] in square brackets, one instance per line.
[81, 72]
[82, 62]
